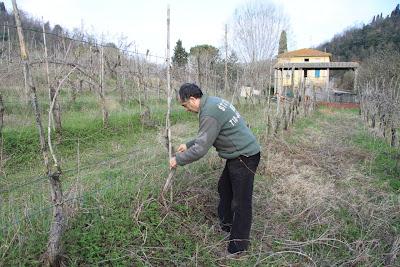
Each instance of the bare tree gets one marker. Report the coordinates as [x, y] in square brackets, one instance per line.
[256, 29]
[203, 57]
[379, 90]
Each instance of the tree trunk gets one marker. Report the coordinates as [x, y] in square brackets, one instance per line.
[56, 112]
[73, 91]
[120, 84]
[226, 85]
[52, 255]
[2, 44]
[198, 70]
[393, 140]
[373, 121]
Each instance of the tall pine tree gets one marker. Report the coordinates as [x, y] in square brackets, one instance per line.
[180, 57]
[282, 43]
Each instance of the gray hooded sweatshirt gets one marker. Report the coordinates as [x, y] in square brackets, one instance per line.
[221, 126]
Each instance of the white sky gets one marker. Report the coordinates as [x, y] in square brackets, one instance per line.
[198, 22]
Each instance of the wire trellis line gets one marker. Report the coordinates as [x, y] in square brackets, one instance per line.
[72, 170]
[86, 42]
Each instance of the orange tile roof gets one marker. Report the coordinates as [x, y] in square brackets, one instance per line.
[305, 52]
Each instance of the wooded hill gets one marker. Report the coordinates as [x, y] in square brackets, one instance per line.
[358, 44]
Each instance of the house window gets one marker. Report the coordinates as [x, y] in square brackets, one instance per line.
[317, 73]
[306, 59]
[305, 73]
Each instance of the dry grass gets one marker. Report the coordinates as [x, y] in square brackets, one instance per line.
[318, 204]
[313, 206]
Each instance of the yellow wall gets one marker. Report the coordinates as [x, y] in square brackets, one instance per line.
[298, 74]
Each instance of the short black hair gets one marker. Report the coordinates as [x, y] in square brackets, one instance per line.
[188, 90]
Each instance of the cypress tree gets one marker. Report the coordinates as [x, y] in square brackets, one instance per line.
[2, 8]
[180, 57]
[282, 43]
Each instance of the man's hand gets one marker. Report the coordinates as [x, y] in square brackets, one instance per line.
[172, 163]
[182, 148]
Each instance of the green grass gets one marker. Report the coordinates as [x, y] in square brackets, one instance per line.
[121, 221]
[385, 163]
[304, 124]
[22, 147]
[105, 231]
[111, 232]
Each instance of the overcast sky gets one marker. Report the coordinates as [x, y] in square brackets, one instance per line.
[199, 22]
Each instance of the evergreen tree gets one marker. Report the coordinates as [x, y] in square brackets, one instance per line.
[2, 8]
[180, 57]
[396, 11]
[3, 19]
[282, 43]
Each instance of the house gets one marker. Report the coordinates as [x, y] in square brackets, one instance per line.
[308, 70]
[316, 77]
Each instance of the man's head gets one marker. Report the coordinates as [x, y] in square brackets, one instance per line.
[189, 96]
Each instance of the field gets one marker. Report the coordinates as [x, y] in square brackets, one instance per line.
[326, 191]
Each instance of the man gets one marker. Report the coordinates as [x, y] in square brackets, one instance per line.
[221, 126]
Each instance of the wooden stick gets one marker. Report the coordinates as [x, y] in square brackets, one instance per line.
[171, 174]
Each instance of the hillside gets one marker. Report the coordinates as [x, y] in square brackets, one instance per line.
[357, 44]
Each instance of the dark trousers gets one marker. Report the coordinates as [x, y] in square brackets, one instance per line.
[235, 188]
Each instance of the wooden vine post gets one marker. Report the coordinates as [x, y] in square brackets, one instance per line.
[1, 131]
[168, 182]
